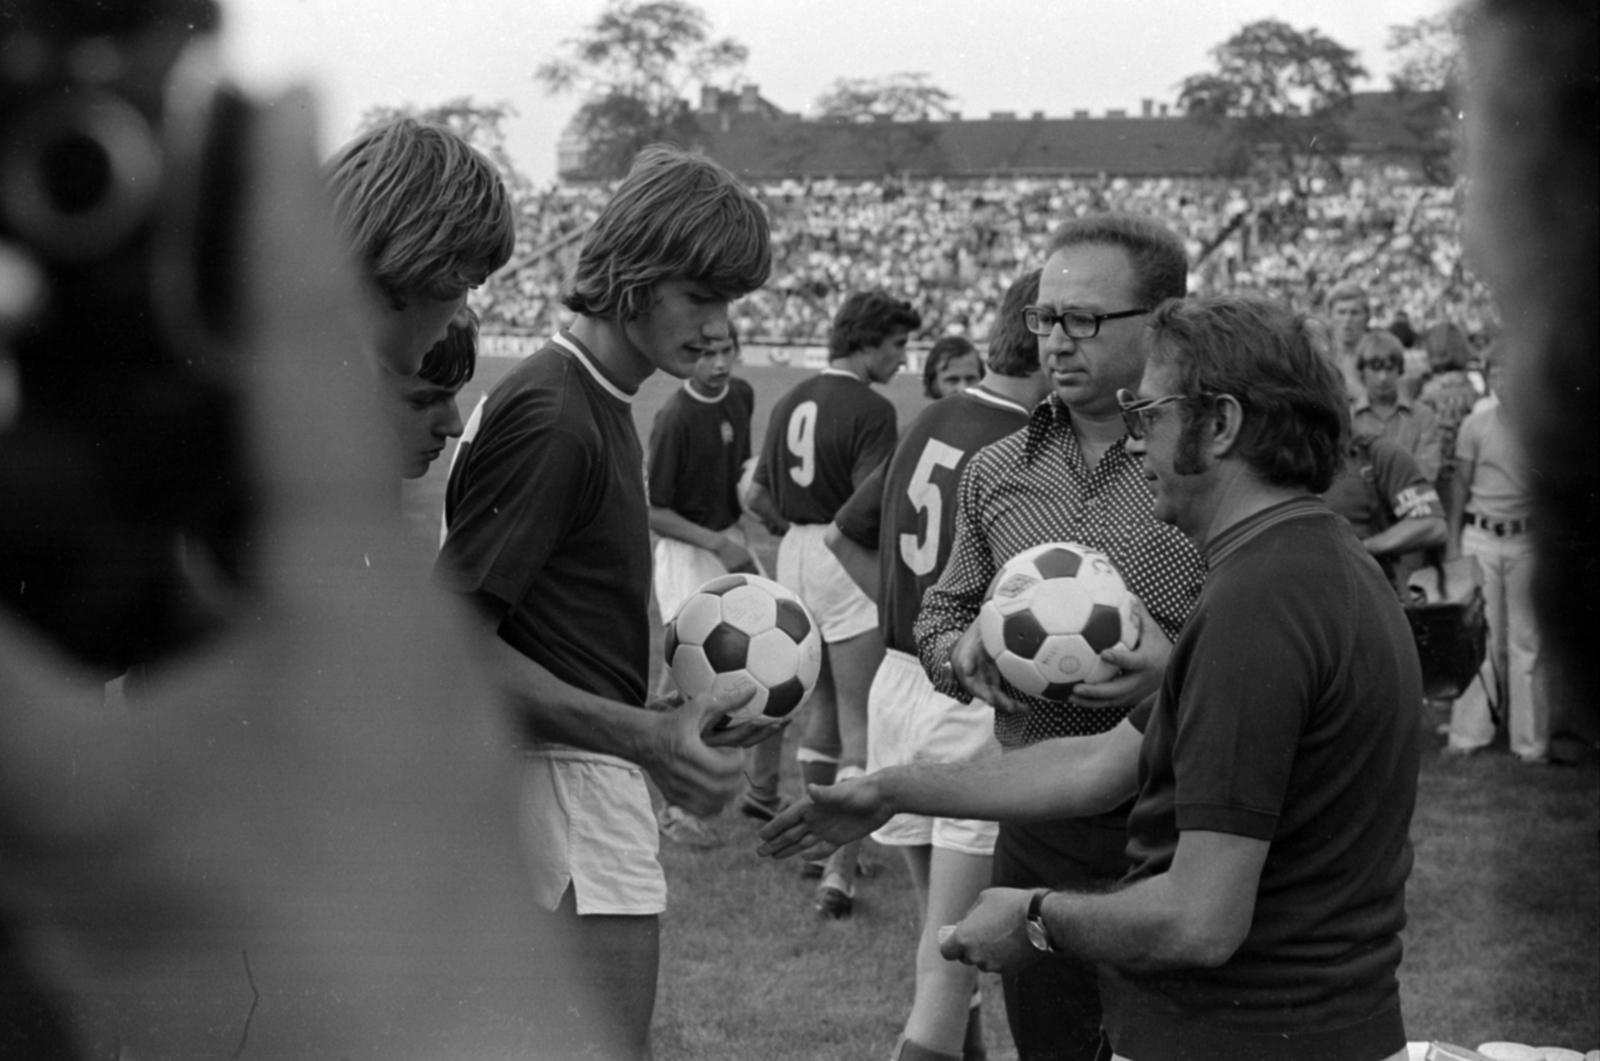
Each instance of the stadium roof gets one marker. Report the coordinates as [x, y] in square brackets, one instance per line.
[760, 149]
[759, 141]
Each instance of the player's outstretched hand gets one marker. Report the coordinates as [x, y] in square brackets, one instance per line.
[694, 768]
[829, 817]
[1141, 667]
[304, 840]
[976, 673]
[993, 936]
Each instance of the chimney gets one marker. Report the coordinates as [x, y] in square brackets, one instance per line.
[1163, 110]
[1117, 113]
[1147, 107]
[1038, 116]
[1080, 114]
[1002, 116]
[709, 98]
[749, 99]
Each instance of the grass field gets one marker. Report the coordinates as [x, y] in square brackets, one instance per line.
[1504, 901]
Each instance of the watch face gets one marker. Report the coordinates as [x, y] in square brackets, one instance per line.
[1038, 936]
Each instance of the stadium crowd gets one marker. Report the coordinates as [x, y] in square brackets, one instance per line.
[952, 248]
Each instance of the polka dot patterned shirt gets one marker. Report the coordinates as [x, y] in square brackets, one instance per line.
[1035, 487]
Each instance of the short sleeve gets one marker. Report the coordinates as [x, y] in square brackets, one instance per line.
[877, 446]
[861, 518]
[523, 487]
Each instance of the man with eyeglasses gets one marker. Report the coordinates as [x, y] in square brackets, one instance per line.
[1274, 774]
[1384, 412]
[1067, 476]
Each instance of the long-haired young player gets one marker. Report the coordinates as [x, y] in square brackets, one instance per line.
[549, 540]
[699, 443]
[421, 409]
[428, 218]
[825, 437]
[894, 537]
[952, 365]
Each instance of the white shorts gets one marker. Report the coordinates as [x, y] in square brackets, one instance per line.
[807, 567]
[909, 721]
[587, 821]
[682, 568]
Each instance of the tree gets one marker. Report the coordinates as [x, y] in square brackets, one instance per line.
[635, 65]
[1427, 52]
[480, 124]
[1427, 71]
[1281, 95]
[896, 97]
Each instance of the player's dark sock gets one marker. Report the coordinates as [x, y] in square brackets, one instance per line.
[818, 772]
[972, 1048]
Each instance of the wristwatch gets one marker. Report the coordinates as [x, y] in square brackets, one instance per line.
[1038, 935]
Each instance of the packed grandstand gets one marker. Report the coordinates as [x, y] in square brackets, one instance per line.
[953, 247]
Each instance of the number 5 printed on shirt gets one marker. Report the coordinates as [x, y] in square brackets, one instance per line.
[925, 497]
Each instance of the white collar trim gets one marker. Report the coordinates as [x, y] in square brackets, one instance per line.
[588, 363]
[978, 394]
[697, 396]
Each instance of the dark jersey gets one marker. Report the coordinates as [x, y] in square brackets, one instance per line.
[916, 489]
[546, 513]
[698, 447]
[825, 437]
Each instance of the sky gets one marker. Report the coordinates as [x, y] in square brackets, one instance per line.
[1055, 56]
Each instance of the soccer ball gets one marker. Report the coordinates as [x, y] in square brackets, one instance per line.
[1048, 614]
[741, 630]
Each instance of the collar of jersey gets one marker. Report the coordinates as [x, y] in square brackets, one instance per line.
[831, 371]
[697, 396]
[978, 394]
[564, 339]
[1234, 538]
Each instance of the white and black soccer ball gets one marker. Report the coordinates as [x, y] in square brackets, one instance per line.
[744, 629]
[1048, 614]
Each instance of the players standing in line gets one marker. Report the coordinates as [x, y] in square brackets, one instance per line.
[698, 445]
[1068, 477]
[549, 542]
[894, 536]
[1261, 914]
[952, 365]
[421, 410]
[825, 437]
[428, 218]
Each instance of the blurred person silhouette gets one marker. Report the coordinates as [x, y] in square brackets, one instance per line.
[290, 850]
[1532, 223]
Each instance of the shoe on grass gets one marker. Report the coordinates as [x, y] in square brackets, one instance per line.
[835, 900]
[681, 827]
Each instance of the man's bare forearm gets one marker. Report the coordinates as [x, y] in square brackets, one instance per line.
[1067, 777]
[1196, 914]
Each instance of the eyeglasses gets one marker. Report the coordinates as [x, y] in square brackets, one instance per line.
[1076, 323]
[1382, 366]
[1139, 413]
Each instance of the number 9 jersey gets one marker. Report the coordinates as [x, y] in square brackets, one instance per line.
[907, 509]
[825, 437]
